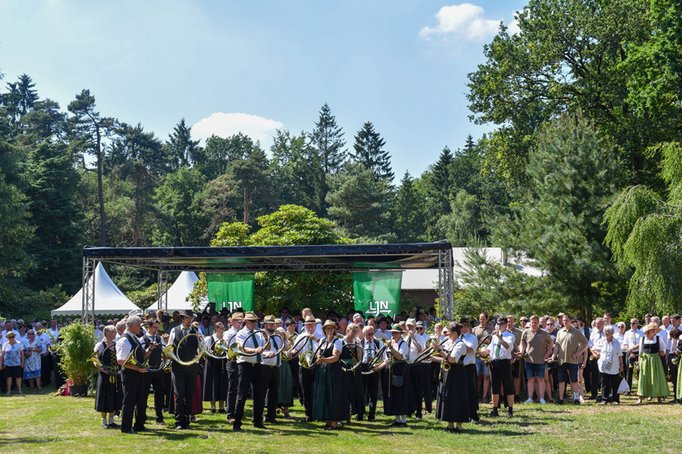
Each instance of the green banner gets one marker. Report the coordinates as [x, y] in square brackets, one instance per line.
[377, 292]
[231, 290]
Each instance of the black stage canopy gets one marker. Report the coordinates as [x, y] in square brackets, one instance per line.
[276, 258]
[248, 259]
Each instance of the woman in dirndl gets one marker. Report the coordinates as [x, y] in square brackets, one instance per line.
[652, 381]
[215, 373]
[285, 387]
[109, 395]
[395, 380]
[453, 397]
[330, 402]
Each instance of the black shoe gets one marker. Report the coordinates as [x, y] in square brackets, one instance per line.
[140, 429]
[418, 416]
[259, 425]
[576, 401]
[270, 420]
[212, 410]
[128, 431]
[112, 425]
[236, 427]
[222, 410]
[159, 420]
[510, 413]
[451, 430]
[359, 418]
[494, 413]
[475, 419]
[560, 401]
[371, 418]
[395, 424]
[309, 419]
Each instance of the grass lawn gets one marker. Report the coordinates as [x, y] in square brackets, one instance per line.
[42, 422]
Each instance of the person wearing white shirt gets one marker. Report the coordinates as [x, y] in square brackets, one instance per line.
[500, 351]
[592, 376]
[155, 379]
[424, 373]
[249, 370]
[382, 331]
[370, 381]
[416, 392]
[307, 312]
[215, 371]
[132, 377]
[32, 349]
[230, 336]
[454, 395]
[54, 329]
[186, 343]
[609, 358]
[270, 369]
[397, 379]
[470, 340]
[631, 349]
[306, 345]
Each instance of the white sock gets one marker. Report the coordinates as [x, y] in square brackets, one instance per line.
[576, 396]
[104, 421]
[111, 418]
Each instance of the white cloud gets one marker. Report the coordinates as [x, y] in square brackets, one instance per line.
[465, 20]
[513, 27]
[227, 124]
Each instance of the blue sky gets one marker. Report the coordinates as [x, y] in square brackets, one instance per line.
[257, 65]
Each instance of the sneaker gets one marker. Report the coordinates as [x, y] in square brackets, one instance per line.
[581, 399]
[530, 401]
[542, 401]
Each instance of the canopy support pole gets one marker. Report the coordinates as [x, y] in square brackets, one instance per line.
[88, 306]
[162, 285]
[446, 284]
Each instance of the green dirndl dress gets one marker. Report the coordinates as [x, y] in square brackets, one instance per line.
[679, 382]
[330, 401]
[652, 381]
[285, 388]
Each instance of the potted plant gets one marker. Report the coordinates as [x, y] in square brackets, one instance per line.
[78, 342]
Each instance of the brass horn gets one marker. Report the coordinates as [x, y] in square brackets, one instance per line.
[169, 351]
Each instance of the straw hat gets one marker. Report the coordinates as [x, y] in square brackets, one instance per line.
[310, 319]
[651, 326]
[237, 316]
[329, 323]
[250, 317]
[269, 319]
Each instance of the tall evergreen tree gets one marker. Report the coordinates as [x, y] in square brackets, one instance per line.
[182, 150]
[369, 151]
[327, 140]
[20, 98]
[408, 212]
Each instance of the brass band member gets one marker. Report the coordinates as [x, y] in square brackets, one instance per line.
[250, 373]
[397, 380]
[423, 374]
[330, 403]
[471, 341]
[307, 375]
[157, 379]
[215, 373]
[353, 380]
[416, 391]
[370, 382]
[270, 369]
[236, 324]
[285, 388]
[132, 377]
[109, 393]
[184, 377]
[500, 351]
[454, 396]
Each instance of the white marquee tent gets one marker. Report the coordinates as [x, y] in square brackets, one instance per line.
[109, 299]
[178, 293]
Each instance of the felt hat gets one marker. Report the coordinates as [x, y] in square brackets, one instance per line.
[396, 328]
[250, 317]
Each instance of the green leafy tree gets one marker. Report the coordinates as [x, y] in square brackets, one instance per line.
[644, 232]
[359, 203]
[294, 168]
[221, 202]
[572, 173]
[369, 151]
[179, 202]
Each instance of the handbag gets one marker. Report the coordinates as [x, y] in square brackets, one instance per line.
[623, 387]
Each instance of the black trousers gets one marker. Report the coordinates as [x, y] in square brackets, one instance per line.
[630, 368]
[250, 377]
[420, 387]
[294, 366]
[232, 387]
[609, 387]
[595, 378]
[501, 376]
[46, 368]
[307, 379]
[184, 380]
[472, 383]
[158, 381]
[270, 384]
[370, 389]
[134, 400]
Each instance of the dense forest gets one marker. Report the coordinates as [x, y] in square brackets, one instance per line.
[582, 174]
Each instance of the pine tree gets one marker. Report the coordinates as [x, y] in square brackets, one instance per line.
[181, 149]
[369, 150]
[408, 211]
[328, 144]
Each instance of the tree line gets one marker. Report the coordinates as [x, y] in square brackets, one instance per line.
[580, 175]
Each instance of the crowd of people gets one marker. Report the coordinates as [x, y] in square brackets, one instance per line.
[341, 368]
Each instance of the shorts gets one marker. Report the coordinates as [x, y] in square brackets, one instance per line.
[13, 372]
[501, 376]
[481, 368]
[568, 369]
[535, 370]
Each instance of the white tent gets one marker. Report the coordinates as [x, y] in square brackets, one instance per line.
[109, 299]
[178, 293]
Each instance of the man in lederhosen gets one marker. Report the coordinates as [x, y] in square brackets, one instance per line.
[270, 369]
[370, 382]
[249, 370]
[306, 376]
[157, 378]
[184, 377]
[230, 336]
[132, 377]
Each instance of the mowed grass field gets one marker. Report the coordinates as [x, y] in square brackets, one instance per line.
[41, 422]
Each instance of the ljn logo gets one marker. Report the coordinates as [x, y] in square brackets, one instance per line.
[232, 305]
[378, 307]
